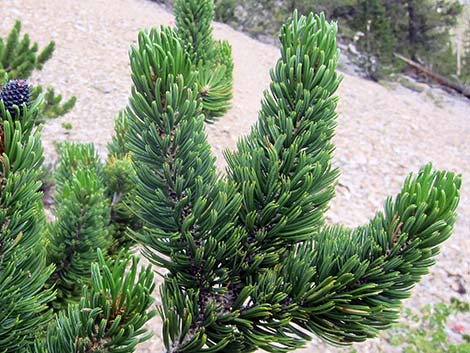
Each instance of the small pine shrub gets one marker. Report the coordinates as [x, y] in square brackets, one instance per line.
[19, 58]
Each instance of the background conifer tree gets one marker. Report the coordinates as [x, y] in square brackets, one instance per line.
[249, 256]
[465, 71]
[428, 25]
[377, 42]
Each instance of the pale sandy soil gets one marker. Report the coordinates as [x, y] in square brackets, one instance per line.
[383, 133]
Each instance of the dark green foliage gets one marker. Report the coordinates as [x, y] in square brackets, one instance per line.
[111, 314]
[260, 17]
[224, 10]
[82, 217]
[120, 184]
[23, 269]
[422, 31]
[444, 61]
[19, 58]
[250, 259]
[429, 22]
[213, 59]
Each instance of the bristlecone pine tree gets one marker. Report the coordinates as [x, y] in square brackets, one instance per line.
[212, 58]
[251, 263]
[19, 58]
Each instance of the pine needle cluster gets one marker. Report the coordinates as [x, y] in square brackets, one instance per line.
[211, 58]
[81, 221]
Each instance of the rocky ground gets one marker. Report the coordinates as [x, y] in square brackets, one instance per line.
[383, 132]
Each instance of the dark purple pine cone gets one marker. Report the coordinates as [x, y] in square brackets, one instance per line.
[15, 92]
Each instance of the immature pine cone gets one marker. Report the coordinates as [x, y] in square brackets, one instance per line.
[15, 92]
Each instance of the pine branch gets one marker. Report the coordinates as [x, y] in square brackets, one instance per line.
[81, 225]
[52, 106]
[251, 264]
[283, 168]
[110, 316]
[213, 59]
[187, 213]
[119, 180]
[18, 57]
[23, 270]
[75, 156]
[45, 55]
[214, 91]
[194, 27]
[359, 278]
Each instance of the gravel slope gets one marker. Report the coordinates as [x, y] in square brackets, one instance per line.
[383, 133]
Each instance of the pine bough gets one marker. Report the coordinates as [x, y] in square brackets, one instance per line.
[250, 262]
[211, 58]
